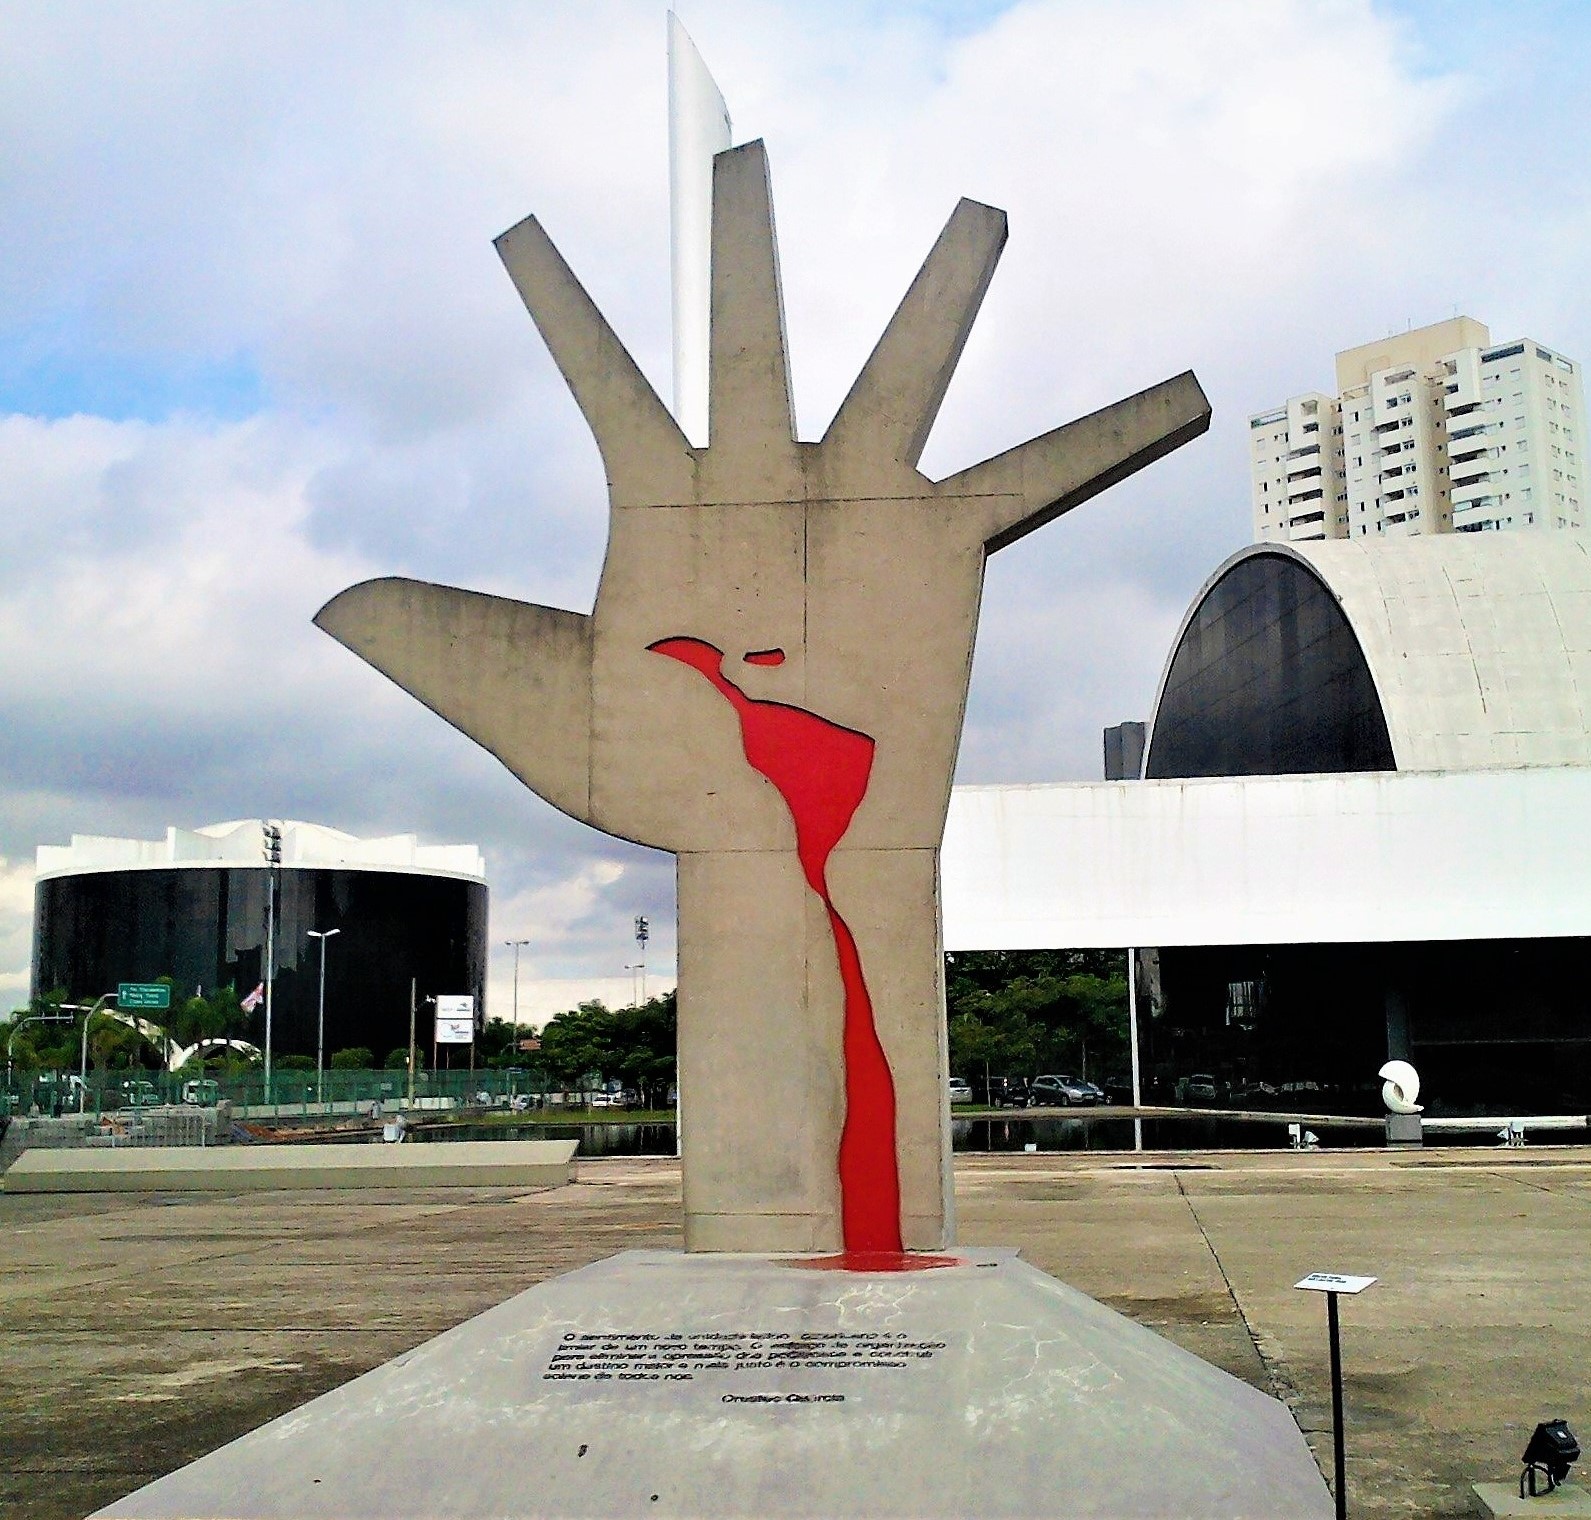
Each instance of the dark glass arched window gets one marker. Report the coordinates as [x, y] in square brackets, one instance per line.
[1268, 679]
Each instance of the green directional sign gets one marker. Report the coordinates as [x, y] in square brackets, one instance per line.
[143, 995]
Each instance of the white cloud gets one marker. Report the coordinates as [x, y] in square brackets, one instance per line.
[1237, 187]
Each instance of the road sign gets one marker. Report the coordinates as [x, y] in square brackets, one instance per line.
[143, 995]
[455, 1020]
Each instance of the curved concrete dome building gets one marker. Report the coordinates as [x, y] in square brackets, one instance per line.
[1360, 832]
[1441, 653]
[192, 907]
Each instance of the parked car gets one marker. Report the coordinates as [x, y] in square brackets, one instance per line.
[1200, 1087]
[960, 1090]
[1061, 1091]
[1006, 1092]
[137, 1093]
[1117, 1089]
[1254, 1095]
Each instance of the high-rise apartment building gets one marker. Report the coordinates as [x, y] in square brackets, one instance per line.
[1437, 430]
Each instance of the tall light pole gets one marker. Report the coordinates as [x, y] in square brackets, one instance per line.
[57, 1017]
[643, 932]
[320, 1023]
[515, 945]
[271, 847]
[82, 1071]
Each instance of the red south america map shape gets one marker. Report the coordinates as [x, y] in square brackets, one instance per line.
[821, 770]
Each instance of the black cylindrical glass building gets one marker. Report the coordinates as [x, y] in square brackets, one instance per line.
[203, 924]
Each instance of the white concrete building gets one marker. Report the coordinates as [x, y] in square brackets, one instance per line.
[1437, 430]
[1362, 831]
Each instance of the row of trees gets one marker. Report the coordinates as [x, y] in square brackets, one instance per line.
[1017, 1013]
[1012, 1013]
[50, 1039]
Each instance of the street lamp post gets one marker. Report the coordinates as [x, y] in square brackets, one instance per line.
[320, 1022]
[82, 1074]
[59, 1017]
[515, 945]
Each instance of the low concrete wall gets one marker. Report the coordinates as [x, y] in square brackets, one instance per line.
[232, 1169]
[167, 1126]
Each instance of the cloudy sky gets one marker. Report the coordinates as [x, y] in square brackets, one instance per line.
[255, 345]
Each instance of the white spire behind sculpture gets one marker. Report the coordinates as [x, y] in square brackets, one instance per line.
[698, 128]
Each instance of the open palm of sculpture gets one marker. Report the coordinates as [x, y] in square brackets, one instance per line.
[778, 655]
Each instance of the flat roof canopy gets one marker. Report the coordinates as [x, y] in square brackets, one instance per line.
[1349, 858]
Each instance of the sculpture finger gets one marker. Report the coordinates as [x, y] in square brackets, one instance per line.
[647, 458]
[893, 404]
[1037, 481]
[513, 676]
[749, 409]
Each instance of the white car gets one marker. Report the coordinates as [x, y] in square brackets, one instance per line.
[960, 1090]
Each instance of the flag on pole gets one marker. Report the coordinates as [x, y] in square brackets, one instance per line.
[254, 999]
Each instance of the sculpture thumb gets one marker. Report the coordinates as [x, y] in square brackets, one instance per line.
[514, 676]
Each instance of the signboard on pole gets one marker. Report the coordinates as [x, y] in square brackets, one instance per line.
[143, 995]
[455, 1020]
[1334, 1282]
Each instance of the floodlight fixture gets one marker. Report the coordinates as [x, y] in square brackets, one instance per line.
[1551, 1452]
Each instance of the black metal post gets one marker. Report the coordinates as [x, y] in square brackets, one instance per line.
[1336, 1406]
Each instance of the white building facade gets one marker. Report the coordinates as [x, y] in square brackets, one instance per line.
[1361, 833]
[1437, 430]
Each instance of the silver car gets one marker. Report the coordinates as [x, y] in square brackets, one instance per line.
[960, 1090]
[1060, 1091]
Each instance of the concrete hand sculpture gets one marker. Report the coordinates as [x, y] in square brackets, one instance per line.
[771, 685]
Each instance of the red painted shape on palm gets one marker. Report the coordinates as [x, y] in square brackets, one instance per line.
[821, 770]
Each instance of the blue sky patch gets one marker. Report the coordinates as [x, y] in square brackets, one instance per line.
[128, 387]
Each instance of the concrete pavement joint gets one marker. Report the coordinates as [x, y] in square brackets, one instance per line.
[1281, 1385]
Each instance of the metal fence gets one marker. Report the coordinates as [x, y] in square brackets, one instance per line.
[290, 1091]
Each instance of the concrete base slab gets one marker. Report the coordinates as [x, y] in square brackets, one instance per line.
[1497, 1500]
[661, 1384]
[234, 1168]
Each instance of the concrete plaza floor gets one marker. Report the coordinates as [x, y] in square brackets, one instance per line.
[139, 1331]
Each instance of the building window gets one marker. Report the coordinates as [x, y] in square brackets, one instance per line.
[1268, 678]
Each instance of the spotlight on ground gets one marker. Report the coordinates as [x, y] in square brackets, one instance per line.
[1551, 1452]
